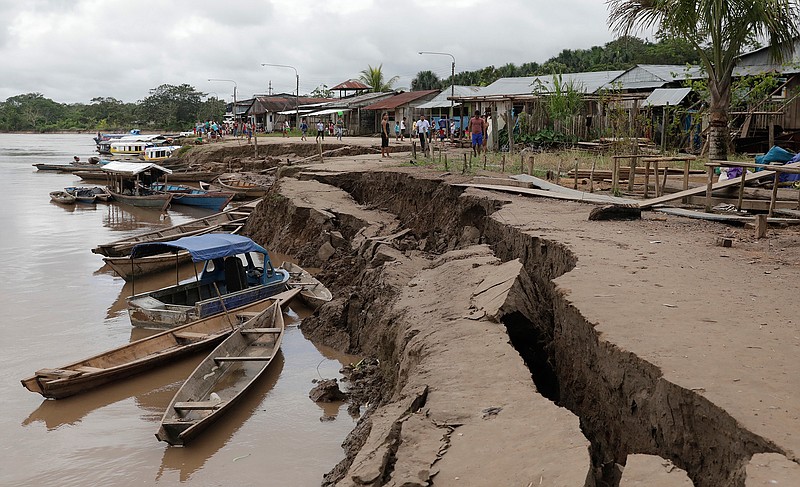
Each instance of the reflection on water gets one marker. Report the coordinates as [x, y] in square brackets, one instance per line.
[60, 305]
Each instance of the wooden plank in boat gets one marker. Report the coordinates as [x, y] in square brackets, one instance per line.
[190, 335]
[198, 405]
[56, 373]
[86, 368]
[242, 359]
[260, 330]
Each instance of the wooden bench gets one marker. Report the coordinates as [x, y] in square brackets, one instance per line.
[190, 335]
[242, 359]
[57, 373]
[261, 330]
[197, 405]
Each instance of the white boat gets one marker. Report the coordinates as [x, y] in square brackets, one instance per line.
[159, 153]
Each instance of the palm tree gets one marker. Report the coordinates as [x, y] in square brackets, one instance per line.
[426, 80]
[718, 30]
[374, 78]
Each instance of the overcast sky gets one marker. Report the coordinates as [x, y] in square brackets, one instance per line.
[75, 50]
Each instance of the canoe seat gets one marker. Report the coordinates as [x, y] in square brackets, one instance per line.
[260, 330]
[242, 359]
[247, 314]
[198, 405]
[146, 302]
[56, 373]
[190, 335]
[86, 368]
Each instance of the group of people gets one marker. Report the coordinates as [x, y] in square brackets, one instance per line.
[477, 127]
[332, 128]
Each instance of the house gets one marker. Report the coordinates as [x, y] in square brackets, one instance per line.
[398, 106]
[350, 109]
[442, 103]
[271, 111]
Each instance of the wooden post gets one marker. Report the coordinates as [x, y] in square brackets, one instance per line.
[414, 149]
[774, 192]
[646, 177]
[614, 174]
[664, 184]
[445, 163]
[686, 174]
[521, 162]
[771, 132]
[761, 226]
[575, 181]
[591, 175]
[558, 171]
[464, 169]
[657, 185]
[632, 171]
[532, 161]
[709, 184]
[484, 161]
[319, 148]
[741, 190]
[503, 164]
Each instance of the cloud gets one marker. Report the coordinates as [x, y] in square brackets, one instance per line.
[74, 51]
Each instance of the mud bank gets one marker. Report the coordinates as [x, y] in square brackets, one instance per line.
[476, 284]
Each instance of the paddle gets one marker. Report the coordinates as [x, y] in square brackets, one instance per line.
[225, 308]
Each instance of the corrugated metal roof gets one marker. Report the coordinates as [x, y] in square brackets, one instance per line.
[666, 96]
[441, 100]
[351, 84]
[588, 82]
[400, 99]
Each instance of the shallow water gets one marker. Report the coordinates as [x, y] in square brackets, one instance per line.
[61, 304]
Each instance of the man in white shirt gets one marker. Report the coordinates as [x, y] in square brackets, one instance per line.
[403, 129]
[423, 126]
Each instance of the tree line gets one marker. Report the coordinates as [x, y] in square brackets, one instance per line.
[167, 107]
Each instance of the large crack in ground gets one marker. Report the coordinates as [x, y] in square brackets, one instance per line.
[624, 404]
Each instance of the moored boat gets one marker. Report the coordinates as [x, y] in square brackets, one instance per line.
[227, 221]
[130, 182]
[313, 292]
[141, 355]
[241, 188]
[82, 195]
[223, 377]
[232, 276]
[160, 153]
[129, 268]
[186, 195]
[62, 197]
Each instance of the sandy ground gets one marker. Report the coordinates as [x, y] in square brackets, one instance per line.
[716, 322]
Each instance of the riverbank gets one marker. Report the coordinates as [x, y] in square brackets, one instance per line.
[520, 343]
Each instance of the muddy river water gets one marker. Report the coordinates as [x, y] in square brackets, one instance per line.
[60, 304]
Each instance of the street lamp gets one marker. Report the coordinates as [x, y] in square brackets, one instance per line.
[452, 80]
[234, 93]
[296, 93]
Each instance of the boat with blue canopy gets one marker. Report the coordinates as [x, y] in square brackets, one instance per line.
[236, 272]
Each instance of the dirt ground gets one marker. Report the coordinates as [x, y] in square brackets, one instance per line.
[521, 344]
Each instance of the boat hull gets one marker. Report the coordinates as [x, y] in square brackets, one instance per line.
[223, 378]
[128, 268]
[212, 200]
[62, 197]
[159, 201]
[312, 292]
[138, 356]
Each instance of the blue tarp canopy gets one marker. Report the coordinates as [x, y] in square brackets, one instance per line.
[201, 247]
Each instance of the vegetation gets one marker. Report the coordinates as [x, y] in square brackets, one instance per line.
[167, 107]
[718, 32]
[374, 78]
[427, 80]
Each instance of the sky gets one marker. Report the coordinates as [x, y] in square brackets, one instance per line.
[74, 50]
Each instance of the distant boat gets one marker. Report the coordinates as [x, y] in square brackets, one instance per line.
[186, 195]
[243, 189]
[231, 278]
[176, 177]
[62, 197]
[223, 377]
[160, 153]
[84, 195]
[141, 355]
[130, 182]
[313, 292]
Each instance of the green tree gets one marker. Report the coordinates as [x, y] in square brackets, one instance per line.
[426, 80]
[172, 107]
[374, 78]
[725, 27]
[322, 91]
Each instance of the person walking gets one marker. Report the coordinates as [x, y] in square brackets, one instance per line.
[403, 129]
[339, 128]
[385, 135]
[477, 127]
[423, 126]
[396, 130]
[303, 129]
[320, 130]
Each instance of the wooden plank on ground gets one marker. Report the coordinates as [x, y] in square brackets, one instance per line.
[579, 196]
[647, 204]
[700, 215]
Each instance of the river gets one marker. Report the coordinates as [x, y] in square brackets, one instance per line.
[60, 304]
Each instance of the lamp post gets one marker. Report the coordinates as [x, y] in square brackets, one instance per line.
[452, 80]
[234, 93]
[296, 93]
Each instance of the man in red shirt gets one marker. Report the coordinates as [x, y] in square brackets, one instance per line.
[477, 127]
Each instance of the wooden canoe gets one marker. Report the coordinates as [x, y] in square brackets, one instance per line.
[312, 292]
[223, 377]
[241, 188]
[226, 221]
[141, 355]
[128, 268]
[62, 197]
[156, 200]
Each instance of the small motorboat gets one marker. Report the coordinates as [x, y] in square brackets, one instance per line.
[82, 195]
[189, 196]
[62, 197]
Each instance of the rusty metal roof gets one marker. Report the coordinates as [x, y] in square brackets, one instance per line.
[351, 84]
[400, 99]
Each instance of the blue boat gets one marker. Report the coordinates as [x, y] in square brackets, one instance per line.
[236, 272]
[189, 196]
